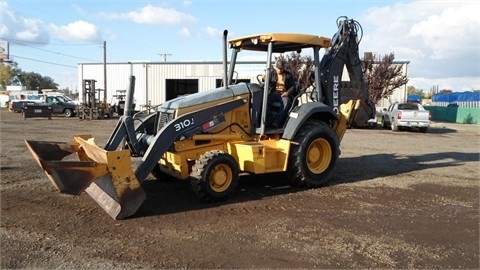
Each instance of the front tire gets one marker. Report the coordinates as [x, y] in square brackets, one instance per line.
[214, 176]
[68, 113]
[314, 155]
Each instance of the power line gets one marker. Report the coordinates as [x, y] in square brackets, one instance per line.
[45, 43]
[41, 61]
[72, 56]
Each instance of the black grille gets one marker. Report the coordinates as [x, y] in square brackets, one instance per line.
[163, 118]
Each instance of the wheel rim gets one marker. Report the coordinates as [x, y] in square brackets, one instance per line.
[221, 178]
[319, 155]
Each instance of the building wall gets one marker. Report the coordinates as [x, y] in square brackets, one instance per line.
[150, 77]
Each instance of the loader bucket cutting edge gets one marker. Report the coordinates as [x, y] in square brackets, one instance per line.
[107, 176]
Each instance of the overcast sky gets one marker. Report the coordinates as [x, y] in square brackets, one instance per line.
[439, 38]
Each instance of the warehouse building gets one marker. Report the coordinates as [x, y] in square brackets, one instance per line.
[152, 78]
[156, 82]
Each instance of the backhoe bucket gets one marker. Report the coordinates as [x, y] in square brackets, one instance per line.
[107, 176]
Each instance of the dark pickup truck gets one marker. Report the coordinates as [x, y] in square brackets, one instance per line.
[58, 104]
[61, 106]
[17, 105]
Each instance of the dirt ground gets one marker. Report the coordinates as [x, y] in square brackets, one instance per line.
[398, 200]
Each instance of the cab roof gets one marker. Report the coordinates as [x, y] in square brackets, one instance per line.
[283, 42]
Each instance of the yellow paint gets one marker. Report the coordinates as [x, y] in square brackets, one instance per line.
[261, 157]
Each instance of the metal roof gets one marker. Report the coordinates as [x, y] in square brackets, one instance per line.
[283, 42]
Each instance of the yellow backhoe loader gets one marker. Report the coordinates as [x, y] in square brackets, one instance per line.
[211, 137]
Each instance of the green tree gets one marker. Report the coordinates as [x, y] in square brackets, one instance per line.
[33, 80]
[383, 77]
[411, 90]
[8, 73]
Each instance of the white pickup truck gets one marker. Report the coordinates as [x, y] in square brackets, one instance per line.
[406, 116]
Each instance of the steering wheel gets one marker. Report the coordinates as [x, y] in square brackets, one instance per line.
[260, 79]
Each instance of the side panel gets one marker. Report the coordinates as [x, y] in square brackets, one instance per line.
[264, 156]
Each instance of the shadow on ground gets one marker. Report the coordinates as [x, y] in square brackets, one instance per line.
[171, 196]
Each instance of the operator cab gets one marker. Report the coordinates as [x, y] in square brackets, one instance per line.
[272, 43]
[273, 107]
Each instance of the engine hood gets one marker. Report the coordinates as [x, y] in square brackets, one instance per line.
[206, 96]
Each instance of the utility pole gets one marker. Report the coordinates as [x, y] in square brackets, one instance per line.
[164, 55]
[105, 71]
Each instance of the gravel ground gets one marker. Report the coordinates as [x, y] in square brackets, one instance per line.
[397, 200]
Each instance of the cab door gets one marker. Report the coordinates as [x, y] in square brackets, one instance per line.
[55, 104]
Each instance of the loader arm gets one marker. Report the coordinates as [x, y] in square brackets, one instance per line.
[183, 127]
[152, 147]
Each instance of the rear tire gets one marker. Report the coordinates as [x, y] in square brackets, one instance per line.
[384, 123]
[314, 155]
[214, 176]
[393, 125]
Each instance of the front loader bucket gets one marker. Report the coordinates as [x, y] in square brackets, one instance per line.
[107, 176]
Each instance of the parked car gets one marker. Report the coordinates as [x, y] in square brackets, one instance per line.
[408, 115]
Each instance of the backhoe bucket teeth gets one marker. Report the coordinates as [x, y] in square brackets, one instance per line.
[107, 176]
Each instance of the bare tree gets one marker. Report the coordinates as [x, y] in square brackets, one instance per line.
[383, 77]
[300, 66]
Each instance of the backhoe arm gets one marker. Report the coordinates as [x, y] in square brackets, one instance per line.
[344, 53]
